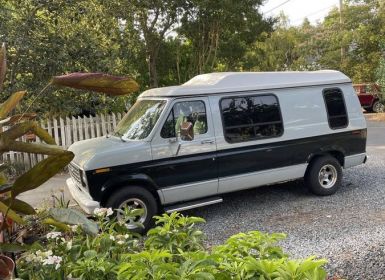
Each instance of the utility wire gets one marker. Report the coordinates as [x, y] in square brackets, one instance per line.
[314, 13]
[276, 7]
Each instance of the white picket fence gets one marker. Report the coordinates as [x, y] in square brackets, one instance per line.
[65, 131]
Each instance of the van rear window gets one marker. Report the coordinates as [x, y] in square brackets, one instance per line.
[249, 118]
[335, 107]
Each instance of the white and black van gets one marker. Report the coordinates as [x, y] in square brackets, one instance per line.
[182, 147]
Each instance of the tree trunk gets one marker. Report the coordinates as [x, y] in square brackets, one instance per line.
[152, 55]
[152, 71]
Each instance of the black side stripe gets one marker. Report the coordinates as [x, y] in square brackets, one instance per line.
[235, 161]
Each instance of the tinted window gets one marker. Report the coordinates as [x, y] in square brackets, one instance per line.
[168, 129]
[335, 107]
[186, 111]
[251, 117]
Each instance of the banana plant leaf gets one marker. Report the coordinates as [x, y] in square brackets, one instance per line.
[3, 179]
[13, 248]
[19, 129]
[5, 188]
[11, 214]
[3, 166]
[10, 103]
[19, 206]
[74, 217]
[3, 65]
[59, 225]
[21, 117]
[41, 172]
[99, 82]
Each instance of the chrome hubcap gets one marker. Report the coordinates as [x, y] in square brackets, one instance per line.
[327, 176]
[379, 107]
[132, 204]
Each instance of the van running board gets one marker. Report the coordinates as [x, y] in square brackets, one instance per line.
[193, 204]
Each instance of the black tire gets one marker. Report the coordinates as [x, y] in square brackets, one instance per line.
[324, 175]
[135, 196]
[378, 107]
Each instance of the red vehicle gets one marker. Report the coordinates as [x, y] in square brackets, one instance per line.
[371, 97]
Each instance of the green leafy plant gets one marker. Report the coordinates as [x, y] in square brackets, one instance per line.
[175, 232]
[73, 217]
[19, 125]
[175, 250]
[60, 201]
[115, 253]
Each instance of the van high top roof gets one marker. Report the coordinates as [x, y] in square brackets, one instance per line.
[245, 81]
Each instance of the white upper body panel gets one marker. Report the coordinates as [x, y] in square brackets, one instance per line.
[303, 114]
[109, 151]
[300, 98]
[245, 81]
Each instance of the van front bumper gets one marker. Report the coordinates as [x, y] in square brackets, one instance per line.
[82, 198]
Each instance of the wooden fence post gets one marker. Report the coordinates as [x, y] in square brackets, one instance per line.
[103, 121]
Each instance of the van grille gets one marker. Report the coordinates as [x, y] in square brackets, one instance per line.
[75, 174]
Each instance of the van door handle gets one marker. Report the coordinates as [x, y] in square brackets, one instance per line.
[172, 140]
[208, 141]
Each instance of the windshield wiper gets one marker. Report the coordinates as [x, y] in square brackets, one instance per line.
[117, 135]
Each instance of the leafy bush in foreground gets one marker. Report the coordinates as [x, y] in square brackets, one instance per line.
[174, 249]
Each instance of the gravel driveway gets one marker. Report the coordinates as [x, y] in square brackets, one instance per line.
[347, 228]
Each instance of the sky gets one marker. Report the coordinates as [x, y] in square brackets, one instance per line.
[297, 10]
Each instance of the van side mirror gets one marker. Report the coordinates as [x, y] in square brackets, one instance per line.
[186, 131]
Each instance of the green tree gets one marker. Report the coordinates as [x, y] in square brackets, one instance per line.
[360, 36]
[152, 20]
[219, 33]
[48, 38]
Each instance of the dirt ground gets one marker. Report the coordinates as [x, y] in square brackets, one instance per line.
[375, 117]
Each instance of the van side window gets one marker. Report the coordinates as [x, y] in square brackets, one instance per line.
[251, 117]
[336, 109]
[168, 129]
[186, 111]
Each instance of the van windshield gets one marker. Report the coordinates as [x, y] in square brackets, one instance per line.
[140, 119]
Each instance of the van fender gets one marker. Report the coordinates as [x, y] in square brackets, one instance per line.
[118, 182]
[335, 151]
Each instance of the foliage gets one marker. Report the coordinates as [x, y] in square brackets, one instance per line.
[176, 233]
[57, 159]
[165, 43]
[60, 201]
[219, 32]
[73, 217]
[48, 38]
[11, 207]
[158, 42]
[353, 47]
[99, 82]
[174, 249]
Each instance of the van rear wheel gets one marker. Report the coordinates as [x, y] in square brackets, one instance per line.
[134, 197]
[324, 176]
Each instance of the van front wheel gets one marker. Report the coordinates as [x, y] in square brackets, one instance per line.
[134, 198]
[324, 176]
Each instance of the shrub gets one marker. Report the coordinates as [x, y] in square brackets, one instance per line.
[174, 249]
